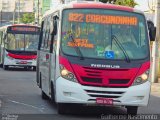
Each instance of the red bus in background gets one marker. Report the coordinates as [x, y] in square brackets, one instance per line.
[18, 45]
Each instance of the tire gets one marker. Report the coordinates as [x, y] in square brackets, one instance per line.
[25, 68]
[44, 96]
[52, 93]
[1, 65]
[61, 107]
[40, 82]
[5, 67]
[132, 110]
[34, 68]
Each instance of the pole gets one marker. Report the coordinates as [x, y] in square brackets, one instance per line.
[1, 17]
[38, 13]
[14, 13]
[155, 63]
[19, 11]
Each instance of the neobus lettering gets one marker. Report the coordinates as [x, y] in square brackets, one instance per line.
[105, 66]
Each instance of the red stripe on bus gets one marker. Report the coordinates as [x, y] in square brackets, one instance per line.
[24, 57]
[86, 75]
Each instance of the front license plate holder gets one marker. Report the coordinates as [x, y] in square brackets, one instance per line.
[104, 101]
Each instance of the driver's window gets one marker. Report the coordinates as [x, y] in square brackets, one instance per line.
[56, 35]
[11, 42]
[142, 34]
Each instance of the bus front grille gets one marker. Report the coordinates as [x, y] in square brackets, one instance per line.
[104, 94]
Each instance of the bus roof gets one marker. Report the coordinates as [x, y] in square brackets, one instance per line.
[8, 28]
[91, 4]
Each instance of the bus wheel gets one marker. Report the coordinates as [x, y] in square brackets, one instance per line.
[52, 93]
[34, 68]
[132, 110]
[5, 67]
[61, 108]
[44, 96]
[1, 65]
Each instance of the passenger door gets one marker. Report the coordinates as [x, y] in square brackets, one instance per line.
[45, 58]
[2, 33]
[38, 56]
[53, 49]
[1, 46]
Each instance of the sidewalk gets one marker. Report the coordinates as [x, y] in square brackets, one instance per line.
[155, 89]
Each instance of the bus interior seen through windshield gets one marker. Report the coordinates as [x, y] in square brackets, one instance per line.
[122, 38]
[22, 42]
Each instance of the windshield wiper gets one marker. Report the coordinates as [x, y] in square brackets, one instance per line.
[77, 49]
[121, 47]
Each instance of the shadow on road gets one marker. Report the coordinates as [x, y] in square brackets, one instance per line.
[98, 112]
[19, 69]
[94, 112]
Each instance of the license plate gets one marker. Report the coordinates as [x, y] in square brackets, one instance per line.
[104, 101]
[22, 62]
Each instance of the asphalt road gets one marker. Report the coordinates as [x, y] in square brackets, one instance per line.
[19, 95]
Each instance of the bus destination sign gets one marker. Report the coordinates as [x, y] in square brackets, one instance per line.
[24, 29]
[102, 19]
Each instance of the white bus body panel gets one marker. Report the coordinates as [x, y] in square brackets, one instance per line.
[71, 92]
[13, 62]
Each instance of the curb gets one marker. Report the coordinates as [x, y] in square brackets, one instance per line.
[155, 89]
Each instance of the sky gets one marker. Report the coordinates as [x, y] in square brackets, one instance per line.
[142, 5]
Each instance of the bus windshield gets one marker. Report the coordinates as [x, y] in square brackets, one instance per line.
[22, 42]
[104, 34]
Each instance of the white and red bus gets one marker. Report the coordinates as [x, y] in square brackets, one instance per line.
[18, 45]
[95, 53]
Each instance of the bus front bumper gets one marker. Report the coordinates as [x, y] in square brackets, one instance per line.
[71, 92]
[18, 62]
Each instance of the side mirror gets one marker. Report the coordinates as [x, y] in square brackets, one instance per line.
[51, 29]
[5, 39]
[53, 26]
[5, 36]
[152, 30]
[40, 36]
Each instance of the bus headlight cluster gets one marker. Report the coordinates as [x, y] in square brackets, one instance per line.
[142, 78]
[9, 57]
[67, 74]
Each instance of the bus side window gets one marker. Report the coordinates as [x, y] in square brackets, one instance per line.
[48, 35]
[46, 40]
[4, 36]
[1, 37]
[53, 33]
[44, 34]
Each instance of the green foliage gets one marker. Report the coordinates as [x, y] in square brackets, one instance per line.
[105, 1]
[130, 3]
[27, 18]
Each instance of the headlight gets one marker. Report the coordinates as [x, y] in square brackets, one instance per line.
[9, 57]
[67, 74]
[142, 78]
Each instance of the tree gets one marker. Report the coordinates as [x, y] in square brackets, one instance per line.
[27, 18]
[130, 3]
